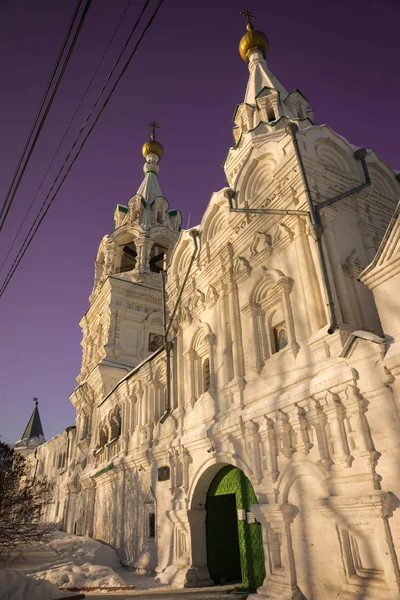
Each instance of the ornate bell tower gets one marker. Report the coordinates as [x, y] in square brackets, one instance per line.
[124, 323]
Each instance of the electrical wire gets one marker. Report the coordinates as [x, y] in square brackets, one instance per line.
[66, 132]
[34, 228]
[24, 161]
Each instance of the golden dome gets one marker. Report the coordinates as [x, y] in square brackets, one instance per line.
[253, 40]
[152, 147]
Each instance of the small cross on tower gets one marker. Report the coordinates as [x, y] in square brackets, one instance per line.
[247, 13]
[36, 401]
[154, 126]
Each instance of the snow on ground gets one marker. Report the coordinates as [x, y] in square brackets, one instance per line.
[71, 561]
[84, 549]
[81, 563]
[15, 585]
[67, 574]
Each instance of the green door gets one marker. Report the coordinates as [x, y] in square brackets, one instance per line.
[230, 539]
[223, 551]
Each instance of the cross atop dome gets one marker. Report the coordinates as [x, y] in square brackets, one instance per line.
[247, 13]
[252, 40]
[153, 146]
[153, 126]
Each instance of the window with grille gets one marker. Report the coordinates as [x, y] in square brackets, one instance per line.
[206, 374]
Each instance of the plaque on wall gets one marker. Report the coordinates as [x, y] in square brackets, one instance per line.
[163, 473]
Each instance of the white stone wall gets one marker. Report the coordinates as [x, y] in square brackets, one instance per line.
[314, 426]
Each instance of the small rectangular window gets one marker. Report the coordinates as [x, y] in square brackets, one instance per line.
[151, 517]
[270, 114]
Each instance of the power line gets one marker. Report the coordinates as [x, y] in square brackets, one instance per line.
[25, 159]
[33, 229]
[66, 132]
[79, 134]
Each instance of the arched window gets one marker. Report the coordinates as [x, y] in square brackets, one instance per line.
[271, 318]
[201, 358]
[128, 258]
[103, 436]
[116, 424]
[206, 374]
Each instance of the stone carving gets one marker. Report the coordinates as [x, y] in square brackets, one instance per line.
[288, 231]
[211, 296]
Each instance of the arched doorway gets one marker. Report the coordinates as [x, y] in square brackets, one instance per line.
[234, 539]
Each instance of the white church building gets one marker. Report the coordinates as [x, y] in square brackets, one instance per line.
[237, 409]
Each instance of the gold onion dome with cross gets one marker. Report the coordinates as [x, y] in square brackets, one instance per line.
[152, 146]
[253, 39]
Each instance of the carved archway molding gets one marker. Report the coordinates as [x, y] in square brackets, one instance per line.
[205, 474]
[293, 472]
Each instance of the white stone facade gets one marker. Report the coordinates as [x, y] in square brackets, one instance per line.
[311, 418]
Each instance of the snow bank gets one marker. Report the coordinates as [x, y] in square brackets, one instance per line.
[84, 550]
[70, 575]
[15, 585]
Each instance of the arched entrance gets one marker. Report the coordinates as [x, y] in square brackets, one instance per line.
[234, 539]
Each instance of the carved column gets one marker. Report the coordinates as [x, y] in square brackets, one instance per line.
[268, 437]
[335, 413]
[186, 460]
[226, 339]
[284, 431]
[300, 428]
[210, 340]
[252, 312]
[190, 550]
[143, 246]
[253, 440]
[362, 444]
[191, 356]
[281, 578]
[118, 253]
[287, 309]
[317, 418]
[345, 311]
[236, 329]
[311, 291]
[140, 408]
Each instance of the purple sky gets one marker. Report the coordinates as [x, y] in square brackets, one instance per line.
[187, 75]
